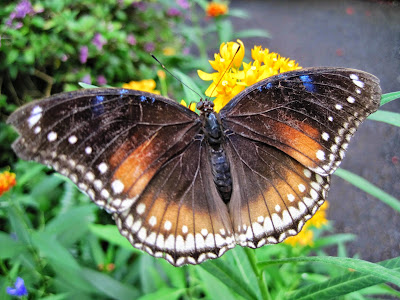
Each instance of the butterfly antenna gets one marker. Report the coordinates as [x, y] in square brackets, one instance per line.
[162, 66]
[226, 70]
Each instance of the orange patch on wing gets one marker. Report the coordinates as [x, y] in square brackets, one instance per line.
[134, 172]
[298, 145]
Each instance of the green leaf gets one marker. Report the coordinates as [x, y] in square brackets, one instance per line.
[238, 13]
[344, 284]
[164, 294]
[215, 289]
[110, 286]
[248, 33]
[225, 30]
[110, 233]
[190, 95]
[245, 269]
[389, 117]
[386, 98]
[333, 240]
[359, 265]
[61, 261]
[87, 86]
[177, 276]
[10, 247]
[228, 276]
[368, 187]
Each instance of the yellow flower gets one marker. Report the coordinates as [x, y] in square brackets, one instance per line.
[306, 235]
[7, 181]
[240, 75]
[215, 9]
[146, 85]
[168, 51]
[192, 105]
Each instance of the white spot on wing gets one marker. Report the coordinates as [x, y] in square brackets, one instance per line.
[36, 114]
[72, 139]
[103, 167]
[167, 225]
[117, 186]
[140, 209]
[88, 150]
[52, 136]
[320, 155]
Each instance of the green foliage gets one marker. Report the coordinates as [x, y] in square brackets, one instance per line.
[63, 246]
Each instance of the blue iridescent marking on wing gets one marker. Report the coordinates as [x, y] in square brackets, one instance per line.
[152, 100]
[260, 88]
[143, 98]
[123, 92]
[269, 85]
[307, 83]
[97, 105]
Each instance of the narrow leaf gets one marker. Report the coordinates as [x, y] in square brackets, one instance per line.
[342, 285]
[111, 234]
[227, 275]
[359, 265]
[389, 117]
[368, 187]
[248, 33]
[386, 98]
[110, 286]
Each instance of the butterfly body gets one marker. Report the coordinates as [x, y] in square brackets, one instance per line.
[187, 187]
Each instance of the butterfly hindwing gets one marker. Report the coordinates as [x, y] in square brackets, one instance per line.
[180, 215]
[274, 196]
[309, 114]
[110, 142]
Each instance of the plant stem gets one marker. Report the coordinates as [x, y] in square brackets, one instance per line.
[259, 273]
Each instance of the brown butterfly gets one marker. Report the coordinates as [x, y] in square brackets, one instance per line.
[188, 187]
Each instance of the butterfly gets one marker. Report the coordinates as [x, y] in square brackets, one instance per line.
[189, 187]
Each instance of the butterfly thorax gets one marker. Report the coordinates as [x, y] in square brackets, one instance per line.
[219, 161]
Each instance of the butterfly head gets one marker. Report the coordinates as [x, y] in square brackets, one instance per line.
[205, 106]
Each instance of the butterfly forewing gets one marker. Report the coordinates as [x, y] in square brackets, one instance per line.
[309, 114]
[110, 142]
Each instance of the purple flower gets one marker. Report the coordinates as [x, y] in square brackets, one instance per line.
[101, 80]
[186, 51]
[99, 41]
[64, 58]
[149, 47]
[22, 9]
[19, 288]
[131, 39]
[173, 12]
[140, 5]
[87, 79]
[83, 54]
[183, 3]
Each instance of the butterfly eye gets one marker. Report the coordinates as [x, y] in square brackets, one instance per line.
[200, 105]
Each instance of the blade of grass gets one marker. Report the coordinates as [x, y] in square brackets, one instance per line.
[388, 117]
[369, 188]
[386, 98]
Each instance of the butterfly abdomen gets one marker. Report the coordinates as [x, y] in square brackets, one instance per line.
[221, 173]
[219, 161]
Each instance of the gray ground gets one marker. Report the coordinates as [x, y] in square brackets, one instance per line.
[363, 35]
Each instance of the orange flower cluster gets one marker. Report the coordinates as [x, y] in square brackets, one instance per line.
[215, 9]
[7, 181]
